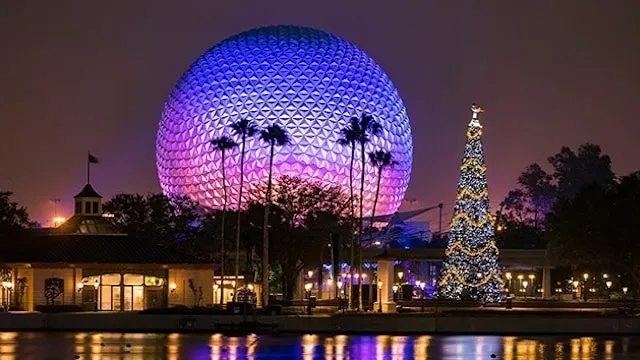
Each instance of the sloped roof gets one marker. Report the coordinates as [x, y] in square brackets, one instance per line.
[399, 217]
[102, 249]
[86, 224]
[88, 191]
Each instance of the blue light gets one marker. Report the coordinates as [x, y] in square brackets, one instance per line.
[308, 81]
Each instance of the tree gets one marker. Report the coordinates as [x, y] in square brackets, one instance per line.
[244, 129]
[367, 127]
[155, 218]
[538, 190]
[53, 287]
[223, 144]
[273, 135]
[573, 171]
[13, 217]
[348, 137]
[305, 213]
[597, 228]
[380, 160]
[471, 266]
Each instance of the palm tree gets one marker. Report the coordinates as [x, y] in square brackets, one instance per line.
[244, 129]
[366, 125]
[222, 144]
[272, 135]
[380, 160]
[348, 137]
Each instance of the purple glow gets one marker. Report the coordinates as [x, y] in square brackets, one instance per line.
[308, 81]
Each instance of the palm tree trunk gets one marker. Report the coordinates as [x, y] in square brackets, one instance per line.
[360, 225]
[353, 238]
[375, 203]
[237, 270]
[224, 213]
[265, 236]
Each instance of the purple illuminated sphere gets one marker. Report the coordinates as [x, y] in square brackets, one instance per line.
[308, 81]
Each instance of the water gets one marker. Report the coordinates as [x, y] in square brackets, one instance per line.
[106, 346]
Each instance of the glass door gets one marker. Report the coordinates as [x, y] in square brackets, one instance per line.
[133, 297]
[138, 298]
[115, 298]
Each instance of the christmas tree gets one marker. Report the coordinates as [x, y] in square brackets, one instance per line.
[471, 269]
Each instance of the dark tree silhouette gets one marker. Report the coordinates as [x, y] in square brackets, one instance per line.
[597, 228]
[13, 217]
[170, 221]
[245, 129]
[274, 135]
[53, 287]
[222, 145]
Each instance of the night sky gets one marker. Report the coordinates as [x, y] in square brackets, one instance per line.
[78, 76]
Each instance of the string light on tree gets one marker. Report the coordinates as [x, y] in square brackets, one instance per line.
[471, 268]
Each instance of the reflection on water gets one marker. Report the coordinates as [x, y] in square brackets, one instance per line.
[106, 346]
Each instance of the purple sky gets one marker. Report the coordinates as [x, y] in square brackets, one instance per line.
[77, 75]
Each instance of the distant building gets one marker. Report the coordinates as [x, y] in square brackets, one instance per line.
[86, 261]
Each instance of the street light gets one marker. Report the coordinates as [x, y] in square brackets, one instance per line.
[379, 296]
[340, 284]
[585, 276]
[96, 285]
[309, 274]
[307, 288]
[625, 289]
[609, 283]
[400, 275]
[421, 285]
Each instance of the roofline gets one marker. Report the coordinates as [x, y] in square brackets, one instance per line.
[43, 265]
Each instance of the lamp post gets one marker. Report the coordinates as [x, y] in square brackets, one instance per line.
[533, 287]
[509, 277]
[608, 283]
[421, 285]
[379, 296]
[341, 304]
[96, 285]
[400, 275]
[525, 283]
[520, 277]
[307, 288]
[584, 286]
[395, 290]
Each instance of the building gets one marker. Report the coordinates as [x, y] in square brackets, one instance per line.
[87, 262]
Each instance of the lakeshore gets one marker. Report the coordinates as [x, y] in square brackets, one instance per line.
[495, 321]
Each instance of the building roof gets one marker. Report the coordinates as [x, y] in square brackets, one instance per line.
[86, 224]
[100, 249]
[88, 191]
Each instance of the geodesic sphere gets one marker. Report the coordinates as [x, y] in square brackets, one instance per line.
[308, 81]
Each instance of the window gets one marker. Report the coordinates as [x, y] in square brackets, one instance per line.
[153, 281]
[110, 279]
[133, 279]
[78, 207]
[87, 207]
[95, 207]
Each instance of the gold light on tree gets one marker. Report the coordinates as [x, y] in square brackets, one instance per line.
[471, 269]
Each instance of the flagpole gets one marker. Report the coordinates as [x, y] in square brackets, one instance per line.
[88, 169]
